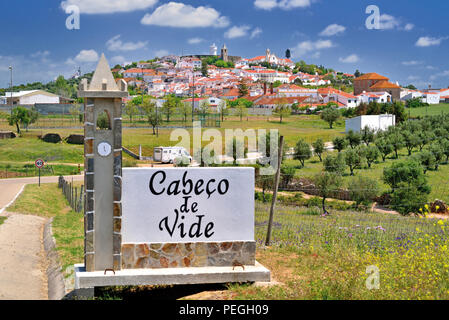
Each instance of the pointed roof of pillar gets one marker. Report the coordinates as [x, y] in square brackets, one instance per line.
[103, 84]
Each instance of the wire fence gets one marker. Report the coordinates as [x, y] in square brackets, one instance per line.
[74, 195]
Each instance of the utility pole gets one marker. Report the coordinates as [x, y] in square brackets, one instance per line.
[193, 93]
[10, 88]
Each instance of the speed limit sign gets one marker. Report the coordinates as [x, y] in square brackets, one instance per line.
[39, 163]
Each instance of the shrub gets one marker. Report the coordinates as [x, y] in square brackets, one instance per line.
[408, 199]
[363, 190]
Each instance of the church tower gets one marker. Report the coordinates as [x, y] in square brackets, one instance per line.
[268, 55]
[224, 53]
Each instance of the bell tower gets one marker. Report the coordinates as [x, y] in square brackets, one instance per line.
[224, 53]
[103, 168]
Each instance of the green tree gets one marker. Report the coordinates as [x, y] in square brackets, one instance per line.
[302, 151]
[396, 140]
[204, 108]
[204, 68]
[170, 106]
[185, 109]
[384, 146]
[409, 172]
[335, 163]
[354, 159]
[243, 88]
[437, 152]
[154, 118]
[426, 159]
[354, 138]
[282, 109]
[18, 116]
[372, 154]
[367, 135]
[445, 147]
[327, 183]
[340, 143]
[241, 110]
[287, 173]
[318, 148]
[411, 140]
[224, 111]
[363, 190]
[131, 110]
[330, 115]
[407, 199]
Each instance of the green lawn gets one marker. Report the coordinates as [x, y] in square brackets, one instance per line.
[432, 110]
[68, 226]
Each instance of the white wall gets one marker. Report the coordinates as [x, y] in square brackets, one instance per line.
[376, 122]
[38, 98]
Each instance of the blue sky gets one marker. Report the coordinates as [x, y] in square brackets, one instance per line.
[410, 46]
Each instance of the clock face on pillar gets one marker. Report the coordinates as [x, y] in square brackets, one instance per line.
[104, 149]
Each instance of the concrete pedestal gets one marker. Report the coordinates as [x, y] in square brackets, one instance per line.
[86, 281]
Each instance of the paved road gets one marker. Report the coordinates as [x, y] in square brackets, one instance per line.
[22, 257]
[9, 188]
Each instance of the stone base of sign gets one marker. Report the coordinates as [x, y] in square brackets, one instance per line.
[169, 276]
[184, 255]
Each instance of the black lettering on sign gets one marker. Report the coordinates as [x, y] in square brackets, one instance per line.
[188, 188]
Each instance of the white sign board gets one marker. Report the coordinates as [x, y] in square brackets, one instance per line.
[163, 205]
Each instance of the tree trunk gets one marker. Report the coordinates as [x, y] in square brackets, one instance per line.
[18, 129]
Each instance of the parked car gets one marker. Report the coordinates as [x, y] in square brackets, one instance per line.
[169, 154]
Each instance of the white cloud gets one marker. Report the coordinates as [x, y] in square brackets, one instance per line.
[332, 30]
[429, 41]
[283, 4]
[108, 6]
[161, 53]
[388, 22]
[86, 56]
[118, 60]
[413, 78]
[409, 27]
[308, 46]
[195, 40]
[115, 44]
[265, 4]
[180, 15]
[40, 54]
[237, 32]
[353, 58]
[255, 33]
[411, 63]
[444, 74]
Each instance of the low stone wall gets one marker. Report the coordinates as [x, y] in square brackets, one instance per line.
[180, 255]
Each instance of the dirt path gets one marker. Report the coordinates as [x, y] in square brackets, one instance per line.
[22, 256]
[22, 259]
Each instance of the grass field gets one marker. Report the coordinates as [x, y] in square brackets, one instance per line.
[2, 219]
[68, 226]
[437, 179]
[432, 110]
[313, 257]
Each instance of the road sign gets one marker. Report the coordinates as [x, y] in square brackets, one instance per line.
[39, 163]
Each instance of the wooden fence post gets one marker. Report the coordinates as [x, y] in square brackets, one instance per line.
[275, 192]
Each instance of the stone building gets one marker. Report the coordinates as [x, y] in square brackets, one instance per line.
[373, 82]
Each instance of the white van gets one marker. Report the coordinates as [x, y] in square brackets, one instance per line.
[169, 154]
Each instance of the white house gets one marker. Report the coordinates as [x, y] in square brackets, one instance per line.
[379, 122]
[379, 97]
[31, 97]
[431, 97]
